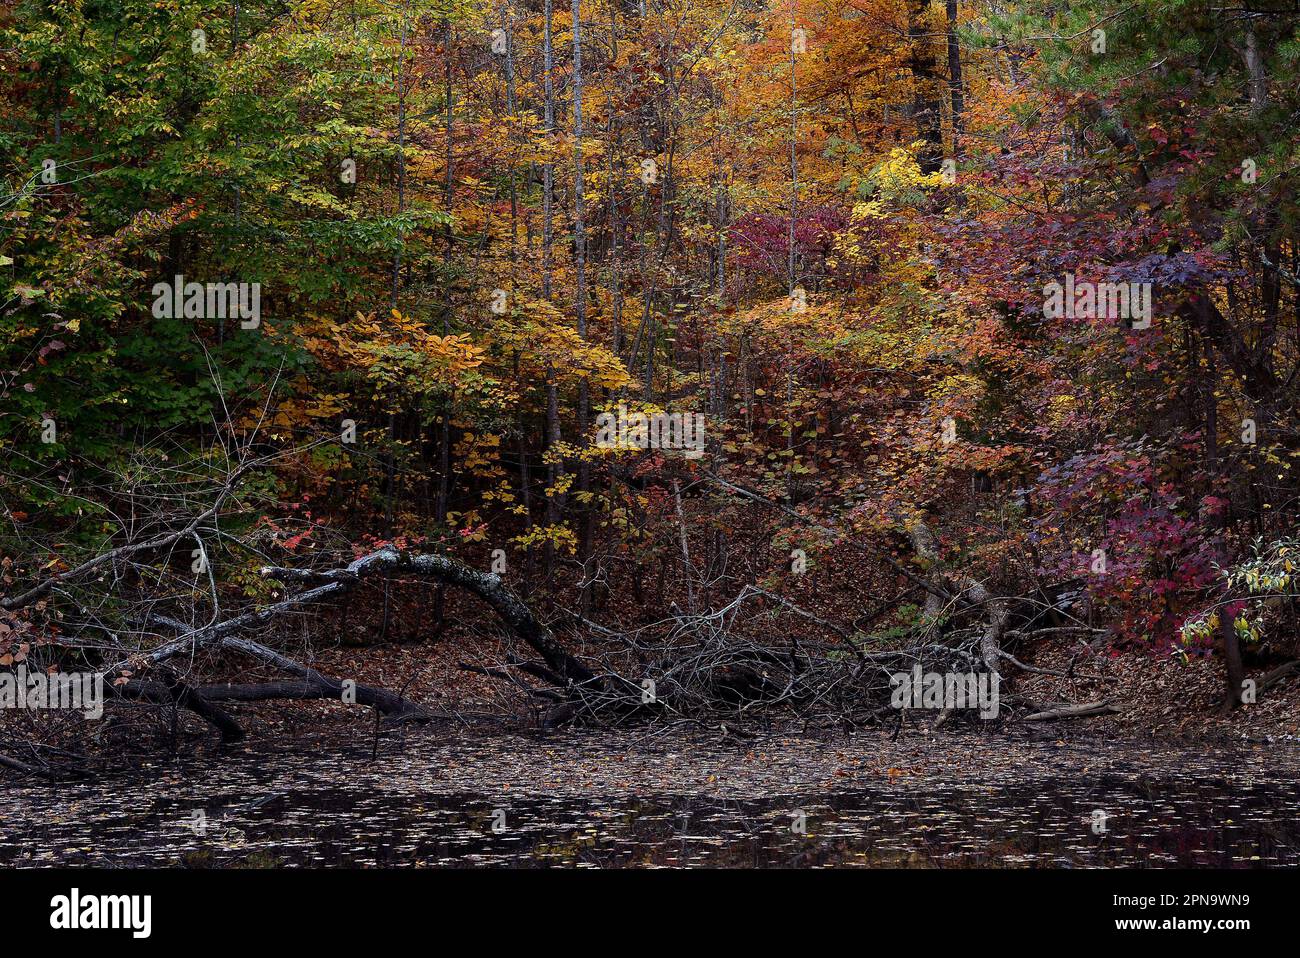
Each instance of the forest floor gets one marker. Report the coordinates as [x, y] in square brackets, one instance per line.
[1162, 697]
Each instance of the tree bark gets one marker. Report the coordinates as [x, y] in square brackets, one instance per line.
[186, 697]
[954, 79]
[487, 586]
[1234, 671]
[1074, 711]
[926, 111]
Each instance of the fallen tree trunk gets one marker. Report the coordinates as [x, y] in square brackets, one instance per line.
[1074, 711]
[1271, 678]
[327, 687]
[24, 769]
[336, 582]
[385, 702]
[706, 670]
[183, 696]
[313, 685]
[486, 585]
[560, 666]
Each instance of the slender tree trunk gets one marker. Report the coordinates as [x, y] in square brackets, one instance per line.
[525, 480]
[509, 23]
[580, 307]
[444, 470]
[548, 168]
[613, 176]
[925, 78]
[1234, 671]
[794, 164]
[954, 80]
[390, 475]
[553, 436]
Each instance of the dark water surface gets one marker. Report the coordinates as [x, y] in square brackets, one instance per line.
[313, 808]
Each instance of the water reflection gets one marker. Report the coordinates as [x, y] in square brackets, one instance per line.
[269, 814]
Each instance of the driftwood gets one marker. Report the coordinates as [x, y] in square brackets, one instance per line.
[1074, 711]
[1276, 675]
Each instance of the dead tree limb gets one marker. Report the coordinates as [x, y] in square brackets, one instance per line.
[23, 768]
[113, 555]
[384, 702]
[560, 666]
[1278, 674]
[974, 592]
[1056, 672]
[335, 582]
[183, 696]
[327, 687]
[831, 627]
[486, 585]
[1074, 711]
[318, 684]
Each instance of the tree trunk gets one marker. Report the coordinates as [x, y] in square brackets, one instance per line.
[926, 111]
[1234, 671]
[954, 80]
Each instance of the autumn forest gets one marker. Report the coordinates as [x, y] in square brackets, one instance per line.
[402, 375]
